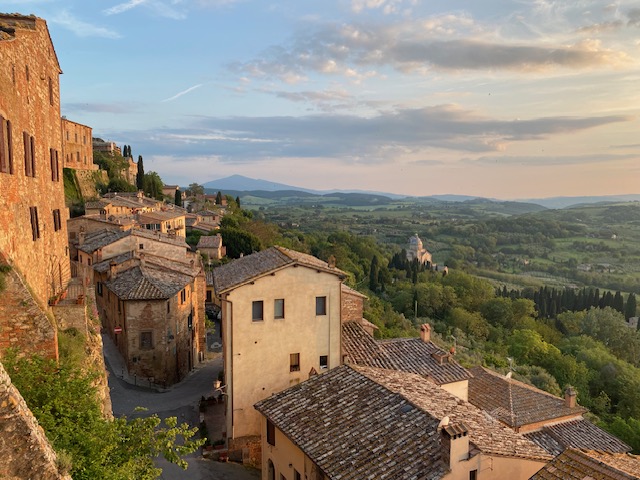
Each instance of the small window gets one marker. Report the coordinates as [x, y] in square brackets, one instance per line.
[257, 311]
[209, 296]
[282, 477]
[35, 226]
[146, 340]
[294, 362]
[55, 166]
[473, 475]
[57, 223]
[278, 308]
[324, 361]
[183, 296]
[141, 246]
[271, 433]
[99, 288]
[29, 154]
[50, 91]
[321, 305]
[6, 151]
[26, 72]
[296, 475]
[168, 306]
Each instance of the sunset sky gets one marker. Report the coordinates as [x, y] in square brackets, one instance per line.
[495, 98]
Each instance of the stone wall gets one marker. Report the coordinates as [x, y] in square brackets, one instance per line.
[24, 448]
[251, 448]
[23, 324]
[87, 182]
[352, 305]
[77, 147]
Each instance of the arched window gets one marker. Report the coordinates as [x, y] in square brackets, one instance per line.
[272, 471]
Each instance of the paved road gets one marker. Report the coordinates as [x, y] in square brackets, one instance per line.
[180, 401]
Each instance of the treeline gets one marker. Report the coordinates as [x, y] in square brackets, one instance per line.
[550, 302]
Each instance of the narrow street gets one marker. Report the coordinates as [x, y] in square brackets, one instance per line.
[179, 401]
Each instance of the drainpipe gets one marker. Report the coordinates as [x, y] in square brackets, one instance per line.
[228, 368]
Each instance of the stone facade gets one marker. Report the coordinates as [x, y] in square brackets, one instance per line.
[33, 215]
[25, 450]
[416, 251]
[77, 150]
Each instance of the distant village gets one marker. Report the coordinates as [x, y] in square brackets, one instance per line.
[308, 390]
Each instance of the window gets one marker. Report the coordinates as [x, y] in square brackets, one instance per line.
[257, 311]
[6, 152]
[209, 296]
[282, 477]
[50, 91]
[29, 154]
[294, 362]
[55, 165]
[57, 224]
[168, 306]
[473, 475]
[99, 288]
[35, 227]
[321, 305]
[296, 475]
[183, 296]
[278, 308]
[26, 72]
[146, 340]
[141, 246]
[324, 361]
[271, 433]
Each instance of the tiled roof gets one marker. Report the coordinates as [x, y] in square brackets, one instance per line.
[243, 270]
[578, 433]
[209, 241]
[350, 291]
[160, 216]
[101, 238]
[209, 278]
[364, 431]
[406, 354]
[485, 432]
[96, 204]
[147, 283]
[590, 465]
[513, 402]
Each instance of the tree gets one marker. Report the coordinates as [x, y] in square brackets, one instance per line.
[219, 198]
[177, 199]
[64, 401]
[373, 274]
[153, 185]
[239, 242]
[140, 175]
[238, 201]
[196, 189]
[630, 307]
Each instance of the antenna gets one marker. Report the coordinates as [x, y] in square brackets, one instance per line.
[444, 422]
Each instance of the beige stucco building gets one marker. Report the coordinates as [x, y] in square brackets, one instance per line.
[280, 320]
[77, 149]
[416, 251]
[169, 221]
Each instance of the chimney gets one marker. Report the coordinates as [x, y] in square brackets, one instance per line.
[142, 261]
[313, 372]
[81, 237]
[454, 439]
[570, 397]
[112, 269]
[332, 262]
[425, 332]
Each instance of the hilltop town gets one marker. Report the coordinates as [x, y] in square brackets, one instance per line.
[320, 373]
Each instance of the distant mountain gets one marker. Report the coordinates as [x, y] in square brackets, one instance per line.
[564, 202]
[241, 185]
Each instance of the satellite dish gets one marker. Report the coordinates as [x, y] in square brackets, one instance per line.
[508, 375]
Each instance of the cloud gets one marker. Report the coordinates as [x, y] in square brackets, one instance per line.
[548, 160]
[447, 43]
[386, 6]
[81, 28]
[123, 7]
[357, 139]
[184, 92]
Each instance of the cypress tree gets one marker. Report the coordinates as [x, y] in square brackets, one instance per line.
[219, 198]
[178, 197]
[618, 302]
[140, 175]
[373, 274]
[238, 201]
[630, 307]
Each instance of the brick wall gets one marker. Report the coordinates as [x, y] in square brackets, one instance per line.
[30, 106]
[77, 148]
[352, 305]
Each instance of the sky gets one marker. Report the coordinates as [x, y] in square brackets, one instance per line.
[494, 98]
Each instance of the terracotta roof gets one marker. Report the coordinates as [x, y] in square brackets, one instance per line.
[209, 241]
[485, 432]
[147, 282]
[96, 204]
[101, 238]
[364, 431]
[406, 354]
[249, 267]
[579, 433]
[150, 217]
[591, 465]
[351, 291]
[513, 402]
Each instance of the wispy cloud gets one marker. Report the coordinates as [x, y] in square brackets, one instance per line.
[386, 6]
[551, 159]
[80, 27]
[184, 92]
[123, 7]
[118, 108]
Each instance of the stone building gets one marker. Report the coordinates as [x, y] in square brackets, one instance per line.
[169, 221]
[110, 148]
[280, 320]
[365, 422]
[416, 251]
[33, 215]
[77, 150]
[153, 309]
[211, 246]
